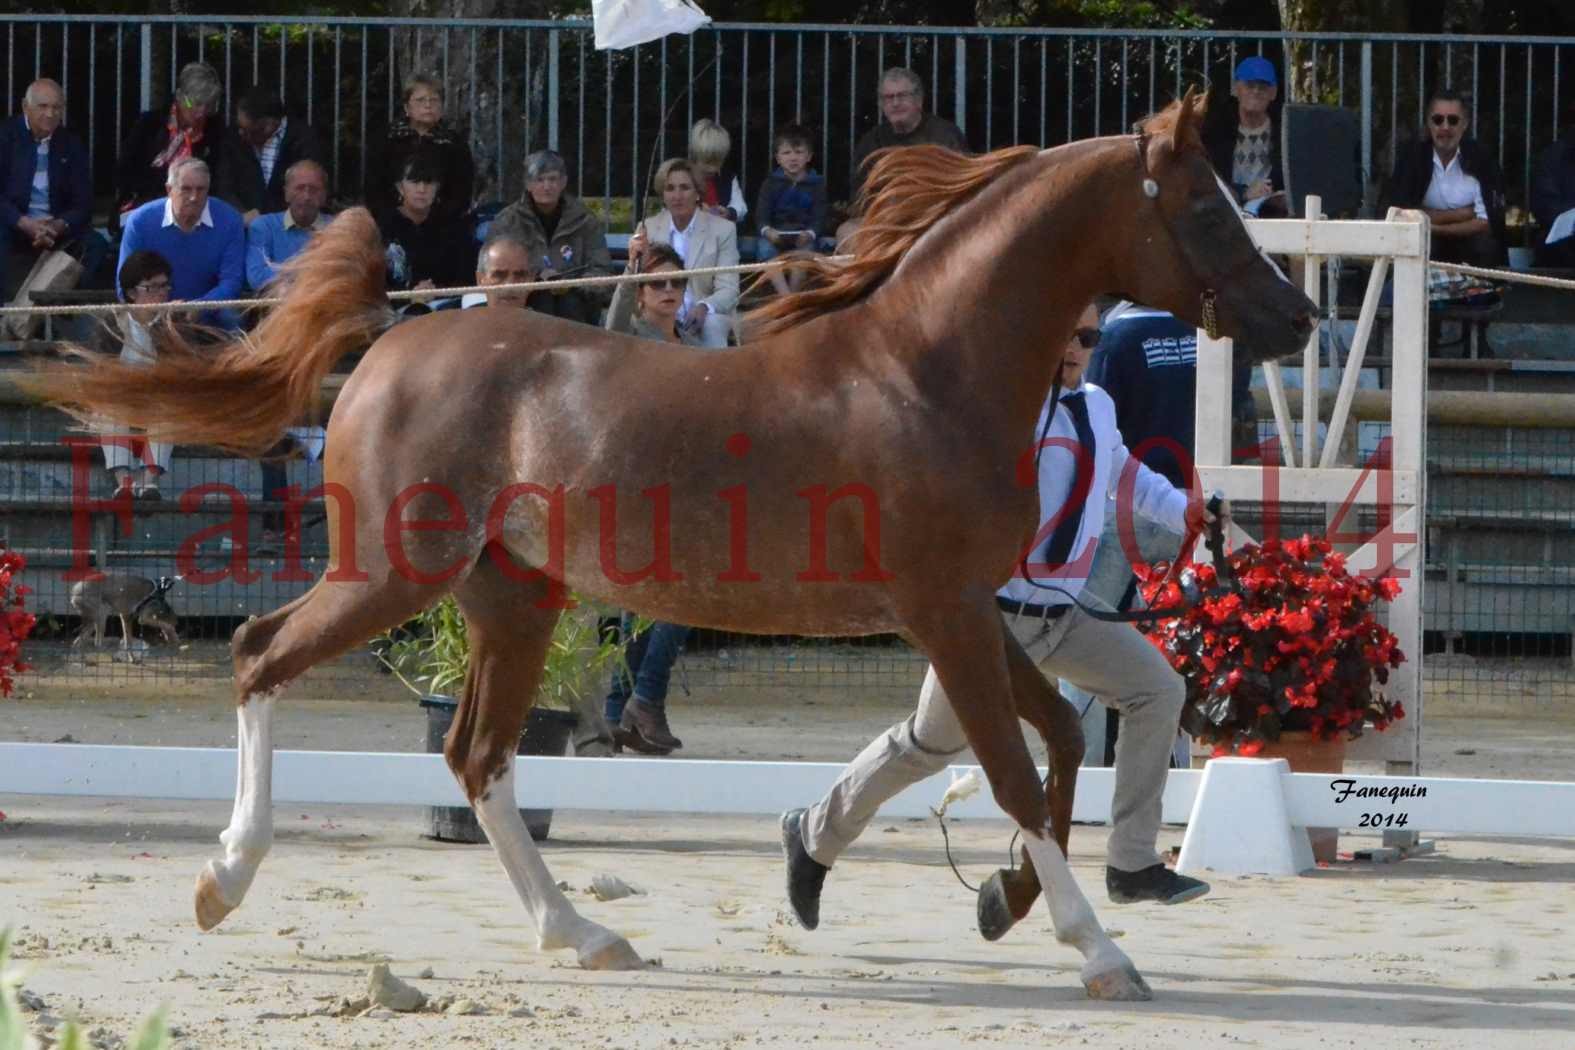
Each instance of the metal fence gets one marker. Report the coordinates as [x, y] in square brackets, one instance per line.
[521, 85]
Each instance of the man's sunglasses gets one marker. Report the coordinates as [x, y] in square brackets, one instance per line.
[1087, 338]
[1452, 119]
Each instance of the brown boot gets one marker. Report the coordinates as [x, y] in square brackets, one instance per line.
[650, 724]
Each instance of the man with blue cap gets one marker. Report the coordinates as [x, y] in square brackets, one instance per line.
[1243, 142]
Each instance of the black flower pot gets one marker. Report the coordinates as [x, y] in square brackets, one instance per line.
[546, 732]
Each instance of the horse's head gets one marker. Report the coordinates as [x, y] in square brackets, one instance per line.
[1196, 258]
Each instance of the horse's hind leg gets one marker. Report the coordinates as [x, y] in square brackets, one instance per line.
[509, 636]
[1008, 895]
[268, 652]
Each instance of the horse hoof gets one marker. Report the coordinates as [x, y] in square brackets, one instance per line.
[616, 954]
[1120, 984]
[210, 903]
[994, 914]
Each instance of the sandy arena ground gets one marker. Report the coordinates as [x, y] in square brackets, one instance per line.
[1468, 947]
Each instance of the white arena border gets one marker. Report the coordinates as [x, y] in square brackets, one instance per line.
[1243, 815]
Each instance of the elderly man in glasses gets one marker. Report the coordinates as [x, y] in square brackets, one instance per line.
[1456, 181]
[1081, 462]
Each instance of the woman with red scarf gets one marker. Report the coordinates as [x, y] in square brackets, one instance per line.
[192, 125]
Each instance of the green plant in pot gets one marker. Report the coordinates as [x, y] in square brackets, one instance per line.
[431, 655]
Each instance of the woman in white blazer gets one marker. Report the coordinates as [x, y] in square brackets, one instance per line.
[701, 240]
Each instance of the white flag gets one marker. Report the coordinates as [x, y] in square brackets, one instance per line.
[624, 23]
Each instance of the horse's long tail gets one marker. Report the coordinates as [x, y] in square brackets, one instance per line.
[242, 394]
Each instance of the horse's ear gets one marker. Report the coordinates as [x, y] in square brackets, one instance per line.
[1189, 116]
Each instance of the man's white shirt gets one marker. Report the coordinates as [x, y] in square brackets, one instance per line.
[1153, 496]
[1452, 188]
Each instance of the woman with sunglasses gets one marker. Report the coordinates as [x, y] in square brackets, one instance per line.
[636, 704]
[649, 309]
[1455, 180]
[192, 125]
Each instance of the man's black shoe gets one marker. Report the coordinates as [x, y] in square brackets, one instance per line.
[1154, 883]
[805, 874]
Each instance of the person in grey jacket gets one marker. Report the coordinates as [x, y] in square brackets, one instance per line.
[562, 236]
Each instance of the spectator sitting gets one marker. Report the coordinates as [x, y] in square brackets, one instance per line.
[189, 127]
[204, 240]
[721, 193]
[1456, 181]
[561, 235]
[425, 250]
[502, 260]
[791, 208]
[702, 240]
[1243, 140]
[905, 124]
[636, 704]
[275, 237]
[649, 309]
[422, 130]
[145, 280]
[1553, 193]
[259, 153]
[46, 196]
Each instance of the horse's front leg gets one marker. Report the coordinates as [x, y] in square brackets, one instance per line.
[968, 649]
[1007, 896]
[223, 883]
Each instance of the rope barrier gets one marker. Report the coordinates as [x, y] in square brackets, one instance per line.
[422, 294]
[1506, 276]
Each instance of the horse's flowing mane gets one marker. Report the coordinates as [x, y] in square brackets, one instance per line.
[907, 190]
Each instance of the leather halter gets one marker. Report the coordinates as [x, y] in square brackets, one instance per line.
[1151, 190]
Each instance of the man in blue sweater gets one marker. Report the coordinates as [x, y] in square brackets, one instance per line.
[273, 238]
[46, 199]
[205, 240]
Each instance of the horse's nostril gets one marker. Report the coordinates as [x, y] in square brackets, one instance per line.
[1304, 323]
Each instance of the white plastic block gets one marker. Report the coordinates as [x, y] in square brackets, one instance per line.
[1240, 823]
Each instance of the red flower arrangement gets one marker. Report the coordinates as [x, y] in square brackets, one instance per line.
[1288, 643]
[15, 625]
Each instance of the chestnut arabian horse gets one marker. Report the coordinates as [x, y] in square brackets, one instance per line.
[865, 466]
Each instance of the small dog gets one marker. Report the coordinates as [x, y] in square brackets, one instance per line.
[129, 597]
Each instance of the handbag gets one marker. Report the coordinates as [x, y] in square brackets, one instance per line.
[55, 271]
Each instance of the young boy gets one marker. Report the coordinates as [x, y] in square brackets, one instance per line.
[791, 208]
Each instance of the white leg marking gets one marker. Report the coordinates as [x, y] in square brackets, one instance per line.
[250, 834]
[1074, 918]
[558, 925]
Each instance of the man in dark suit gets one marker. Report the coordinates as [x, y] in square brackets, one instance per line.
[46, 197]
[261, 147]
[1456, 181]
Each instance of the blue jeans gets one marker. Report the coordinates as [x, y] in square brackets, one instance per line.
[650, 656]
